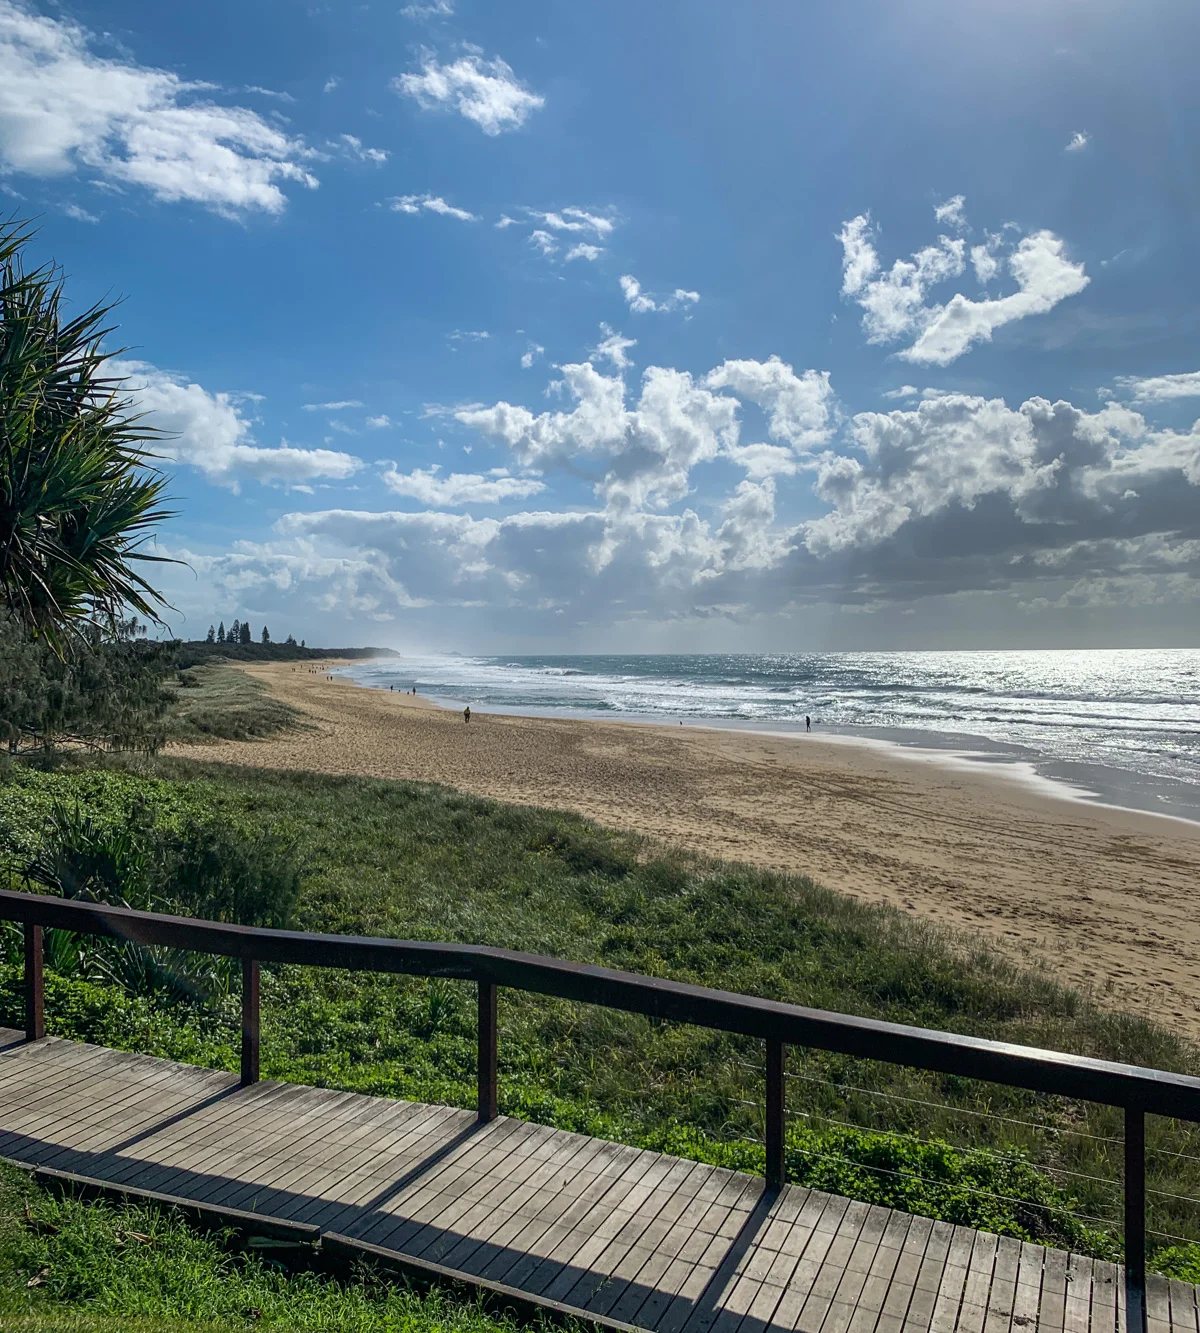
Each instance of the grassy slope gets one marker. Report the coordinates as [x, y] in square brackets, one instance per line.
[219, 702]
[101, 1268]
[418, 861]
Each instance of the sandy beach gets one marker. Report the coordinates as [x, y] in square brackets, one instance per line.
[1104, 898]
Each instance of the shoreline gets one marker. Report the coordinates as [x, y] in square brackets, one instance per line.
[965, 752]
[1101, 897]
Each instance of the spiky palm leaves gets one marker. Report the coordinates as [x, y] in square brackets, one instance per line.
[77, 495]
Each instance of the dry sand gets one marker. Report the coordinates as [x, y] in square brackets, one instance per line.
[1105, 898]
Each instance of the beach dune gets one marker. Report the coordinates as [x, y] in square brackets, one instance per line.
[1105, 899]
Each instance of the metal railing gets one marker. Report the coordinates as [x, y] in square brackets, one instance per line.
[1136, 1091]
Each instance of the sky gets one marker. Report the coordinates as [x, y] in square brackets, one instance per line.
[694, 326]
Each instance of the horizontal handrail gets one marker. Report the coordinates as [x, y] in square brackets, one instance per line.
[1130, 1087]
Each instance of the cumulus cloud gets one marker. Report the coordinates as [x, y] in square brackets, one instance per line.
[431, 203]
[460, 488]
[612, 348]
[64, 108]
[799, 407]
[1078, 141]
[953, 212]
[641, 302]
[1161, 388]
[904, 391]
[381, 422]
[584, 251]
[543, 242]
[895, 302]
[486, 92]
[531, 354]
[208, 431]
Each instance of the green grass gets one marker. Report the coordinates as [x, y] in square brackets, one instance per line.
[99, 1267]
[219, 702]
[418, 861]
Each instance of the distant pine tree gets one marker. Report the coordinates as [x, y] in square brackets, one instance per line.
[290, 640]
[212, 635]
[302, 643]
[266, 635]
[221, 632]
[244, 637]
[235, 632]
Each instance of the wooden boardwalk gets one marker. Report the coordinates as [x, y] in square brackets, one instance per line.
[629, 1235]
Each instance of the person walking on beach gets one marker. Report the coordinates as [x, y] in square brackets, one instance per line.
[807, 722]
[467, 714]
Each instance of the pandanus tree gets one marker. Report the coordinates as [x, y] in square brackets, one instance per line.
[79, 496]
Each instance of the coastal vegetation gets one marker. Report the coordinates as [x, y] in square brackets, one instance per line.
[418, 861]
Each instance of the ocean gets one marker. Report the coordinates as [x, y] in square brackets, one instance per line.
[1121, 726]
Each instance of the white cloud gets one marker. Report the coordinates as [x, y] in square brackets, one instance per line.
[432, 9]
[1161, 388]
[1078, 141]
[381, 422]
[207, 431]
[352, 146]
[799, 408]
[894, 302]
[340, 406]
[646, 451]
[575, 220]
[80, 214]
[641, 302]
[431, 203]
[764, 460]
[468, 335]
[330, 84]
[460, 488]
[985, 263]
[505, 221]
[612, 348]
[904, 391]
[545, 243]
[63, 107]
[530, 355]
[952, 212]
[584, 251]
[484, 91]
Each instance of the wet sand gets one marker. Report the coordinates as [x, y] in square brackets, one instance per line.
[1106, 899]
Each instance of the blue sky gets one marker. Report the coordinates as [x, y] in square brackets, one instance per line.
[684, 326]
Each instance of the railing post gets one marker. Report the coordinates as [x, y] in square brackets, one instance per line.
[35, 985]
[488, 1107]
[249, 1021]
[1135, 1221]
[776, 1164]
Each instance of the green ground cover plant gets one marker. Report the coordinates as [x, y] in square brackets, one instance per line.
[418, 861]
[100, 1268]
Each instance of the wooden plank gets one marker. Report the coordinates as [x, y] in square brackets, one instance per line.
[1104, 1298]
[1158, 1304]
[902, 1287]
[686, 1276]
[919, 1316]
[1027, 1296]
[818, 1306]
[1054, 1292]
[582, 1177]
[1077, 1313]
[1183, 1307]
[973, 1310]
[875, 1290]
[954, 1281]
[1004, 1286]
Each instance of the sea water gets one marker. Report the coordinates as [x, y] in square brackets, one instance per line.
[1123, 725]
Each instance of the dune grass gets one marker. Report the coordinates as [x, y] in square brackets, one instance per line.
[418, 861]
[99, 1268]
[219, 702]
